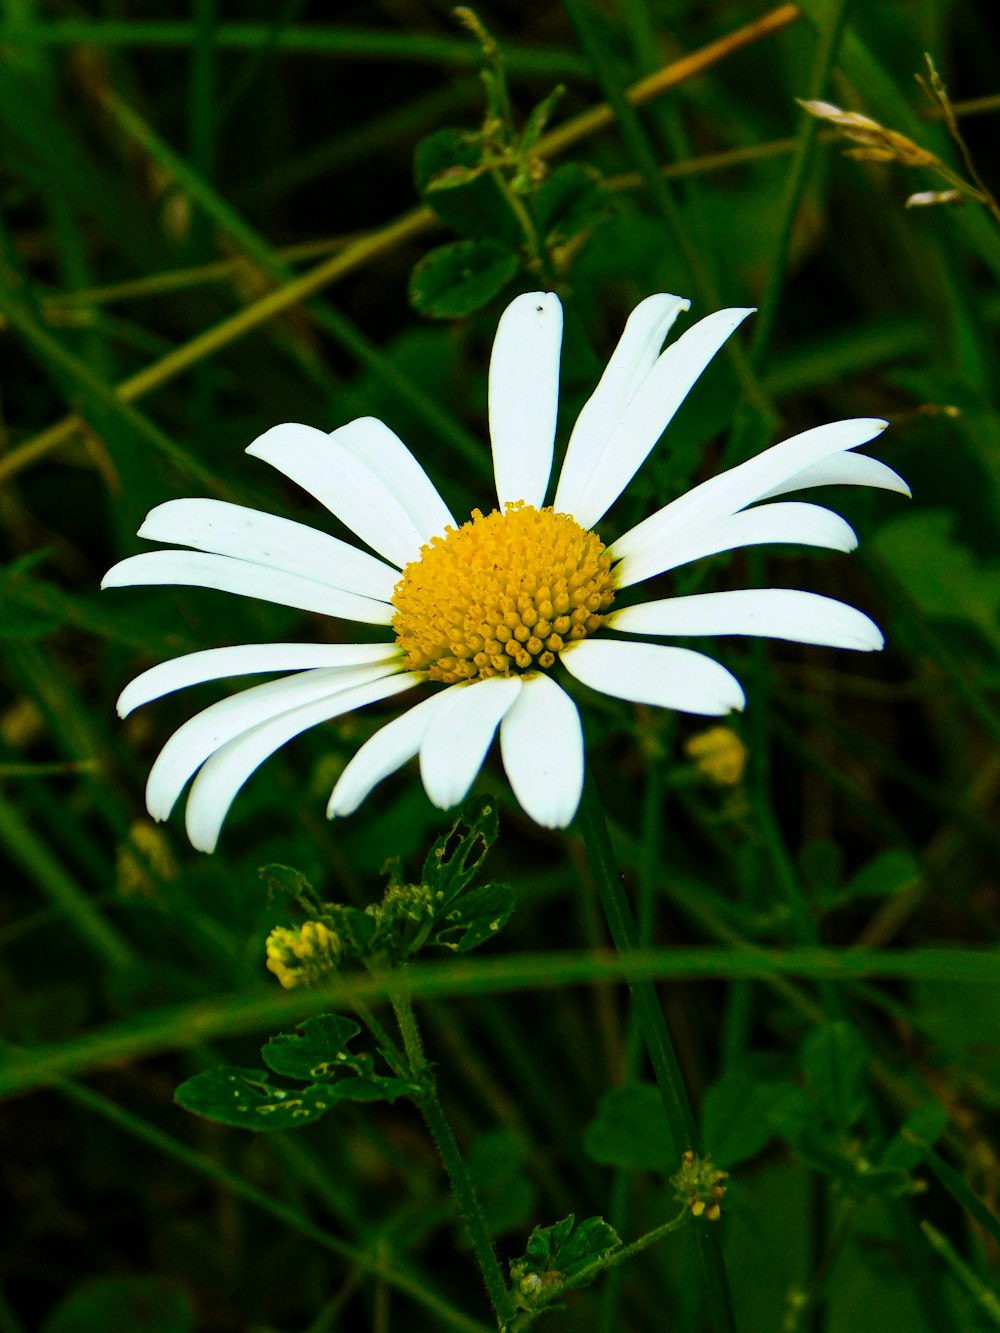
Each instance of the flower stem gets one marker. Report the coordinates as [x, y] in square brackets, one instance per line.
[657, 1039]
[429, 1104]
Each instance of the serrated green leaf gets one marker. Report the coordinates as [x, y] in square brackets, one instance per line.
[544, 1242]
[631, 1131]
[834, 1058]
[137, 1304]
[589, 1241]
[457, 279]
[315, 1051]
[557, 1257]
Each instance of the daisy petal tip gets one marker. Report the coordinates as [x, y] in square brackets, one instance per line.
[870, 641]
[339, 807]
[285, 430]
[203, 840]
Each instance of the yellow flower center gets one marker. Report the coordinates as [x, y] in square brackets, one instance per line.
[501, 594]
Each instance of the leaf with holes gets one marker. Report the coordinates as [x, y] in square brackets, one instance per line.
[457, 856]
[474, 918]
[316, 1054]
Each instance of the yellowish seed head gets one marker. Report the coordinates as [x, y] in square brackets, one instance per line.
[503, 593]
[718, 754]
[302, 955]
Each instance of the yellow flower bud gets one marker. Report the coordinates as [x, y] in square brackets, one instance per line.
[302, 955]
[718, 754]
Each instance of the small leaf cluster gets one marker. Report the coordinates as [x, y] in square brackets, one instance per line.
[444, 908]
[818, 1110]
[321, 1071]
[821, 1118]
[560, 1257]
[509, 209]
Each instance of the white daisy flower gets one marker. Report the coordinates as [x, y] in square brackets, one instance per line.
[483, 611]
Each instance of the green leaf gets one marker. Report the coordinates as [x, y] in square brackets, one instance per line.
[288, 882]
[734, 1116]
[476, 918]
[793, 1113]
[450, 177]
[886, 874]
[356, 929]
[943, 577]
[919, 1132]
[456, 279]
[315, 1051]
[834, 1058]
[146, 1304]
[558, 1256]
[245, 1098]
[497, 1169]
[457, 856]
[538, 117]
[631, 1131]
[569, 201]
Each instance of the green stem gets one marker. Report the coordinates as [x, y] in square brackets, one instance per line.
[429, 1104]
[657, 1038]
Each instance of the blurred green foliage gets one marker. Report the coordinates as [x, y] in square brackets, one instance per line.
[211, 222]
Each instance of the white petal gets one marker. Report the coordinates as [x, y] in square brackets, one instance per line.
[456, 743]
[646, 673]
[843, 470]
[524, 396]
[265, 539]
[773, 613]
[225, 574]
[246, 659]
[651, 411]
[725, 494]
[384, 452]
[630, 363]
[199, 737]
[216, 786]
[541, 741]
[793, 522]
[382, 754]
[349, 488]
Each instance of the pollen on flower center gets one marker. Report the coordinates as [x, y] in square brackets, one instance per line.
[503, 593]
